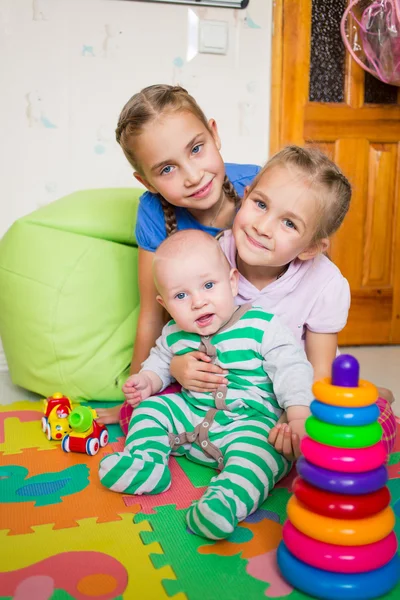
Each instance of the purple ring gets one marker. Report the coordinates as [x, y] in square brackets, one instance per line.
[342, 483]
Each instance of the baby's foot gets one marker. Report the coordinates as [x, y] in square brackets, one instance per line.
[213, 516]
[107, 416]
[136, 473]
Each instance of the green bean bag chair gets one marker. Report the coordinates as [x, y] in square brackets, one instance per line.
[69, 297]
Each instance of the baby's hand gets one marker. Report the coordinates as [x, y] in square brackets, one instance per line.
[286, 440]
[137, 388]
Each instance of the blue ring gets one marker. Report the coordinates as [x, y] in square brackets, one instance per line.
[338, 415]
[331, 586]
[342, 483]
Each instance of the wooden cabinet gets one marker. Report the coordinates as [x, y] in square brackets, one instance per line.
[321, 96]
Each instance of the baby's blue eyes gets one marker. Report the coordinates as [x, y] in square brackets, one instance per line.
[180, 296]
[196, 149]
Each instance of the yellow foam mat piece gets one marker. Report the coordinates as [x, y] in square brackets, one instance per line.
[120, 540]
[22, 405]
[21, 428]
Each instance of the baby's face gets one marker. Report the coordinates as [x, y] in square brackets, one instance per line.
[198, 291]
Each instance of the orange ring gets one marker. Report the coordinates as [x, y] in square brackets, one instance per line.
[342, 532]
[335, 395]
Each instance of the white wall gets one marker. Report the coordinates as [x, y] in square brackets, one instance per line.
[68, 66]
[64, 80]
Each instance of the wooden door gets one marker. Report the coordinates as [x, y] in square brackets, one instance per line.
[320, 95]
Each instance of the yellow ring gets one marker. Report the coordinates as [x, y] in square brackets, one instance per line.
[363, 395]
[342, 532]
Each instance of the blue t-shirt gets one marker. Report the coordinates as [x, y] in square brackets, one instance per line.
[150, 224]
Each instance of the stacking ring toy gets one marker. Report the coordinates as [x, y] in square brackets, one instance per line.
[363, 395]
[343, 532]
[347, 460]
[343, 436]
[331, 586]
[342, 483]
[340, 506]
[340, 559]
[339, 415]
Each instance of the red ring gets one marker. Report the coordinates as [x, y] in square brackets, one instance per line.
[340, 506]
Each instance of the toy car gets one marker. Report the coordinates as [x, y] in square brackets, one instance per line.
[57, 409]
[87, 435]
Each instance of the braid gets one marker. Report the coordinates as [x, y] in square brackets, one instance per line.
[230, 191]
[343, 179]
[122, 123]
[169, 216]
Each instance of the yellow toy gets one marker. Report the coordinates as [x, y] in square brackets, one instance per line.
[55, 423]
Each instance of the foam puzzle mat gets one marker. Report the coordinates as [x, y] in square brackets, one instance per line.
[63, 536]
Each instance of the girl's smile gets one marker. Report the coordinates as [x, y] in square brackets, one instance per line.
[254, 242]
[204, 191]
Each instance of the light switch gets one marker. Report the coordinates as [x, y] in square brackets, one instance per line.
[213, 37]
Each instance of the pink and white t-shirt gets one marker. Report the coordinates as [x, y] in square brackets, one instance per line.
[312, 294]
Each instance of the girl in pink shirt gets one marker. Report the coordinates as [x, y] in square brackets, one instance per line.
[278, 243]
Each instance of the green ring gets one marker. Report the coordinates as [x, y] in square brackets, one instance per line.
[343, 436]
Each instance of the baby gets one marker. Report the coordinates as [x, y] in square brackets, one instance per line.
[227, 429]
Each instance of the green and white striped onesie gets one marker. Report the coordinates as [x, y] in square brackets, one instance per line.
[227, 429]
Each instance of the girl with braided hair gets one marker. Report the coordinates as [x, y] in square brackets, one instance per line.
[175, 153]
[278, 243]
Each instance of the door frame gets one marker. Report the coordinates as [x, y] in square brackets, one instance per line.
[288, 34]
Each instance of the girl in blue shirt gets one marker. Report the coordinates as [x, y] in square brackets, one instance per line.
[175, 153]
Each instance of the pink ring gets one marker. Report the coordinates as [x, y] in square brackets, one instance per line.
[339, 559]
[346, 460]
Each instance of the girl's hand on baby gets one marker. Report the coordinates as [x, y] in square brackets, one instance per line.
[285, 441]
[137, 388]
[195, 372]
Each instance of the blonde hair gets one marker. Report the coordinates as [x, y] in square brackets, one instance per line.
[141, 109]
[326, 180]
